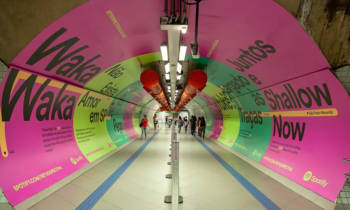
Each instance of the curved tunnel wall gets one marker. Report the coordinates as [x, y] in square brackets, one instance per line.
[51, 129]
[270, 94]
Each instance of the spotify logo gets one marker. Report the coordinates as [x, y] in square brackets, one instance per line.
[76, 160]
[255, 153]
[73, 161]
[307, 176]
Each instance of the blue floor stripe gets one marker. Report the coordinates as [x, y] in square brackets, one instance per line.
[91, 201]
[265, 201]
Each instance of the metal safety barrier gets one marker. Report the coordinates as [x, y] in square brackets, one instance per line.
[175, 197]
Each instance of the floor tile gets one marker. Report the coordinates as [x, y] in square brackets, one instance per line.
[73, 194]
[255, 205]
[203, 198]
[96, 175]
[125, 186]
[231, 202]
[192, 189]
[266, 186]
[118, 198]
[145, 194]
[103, 205]
[282, 197]
[104, 169]
[137, 205]
[52, 197]
[55, 205]
[115, 208]
[86, 183]
[227, 188]
[302, 203]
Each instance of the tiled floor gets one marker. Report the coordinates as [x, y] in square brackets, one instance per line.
[204, 183]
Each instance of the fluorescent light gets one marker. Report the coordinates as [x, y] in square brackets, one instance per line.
[169, 91]
[176, 91]
[184, 30]
[183, 50]
[179, 67]
[178, 76]
[167, 68]
[168, 87]
[164, 50]
[167, 76]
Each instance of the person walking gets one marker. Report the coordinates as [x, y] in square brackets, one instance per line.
[202, 125]
[170, 121]
[179, 123]
[193, 125]
[155, 122]
[197, 125]
[185, 124]
[144, 122]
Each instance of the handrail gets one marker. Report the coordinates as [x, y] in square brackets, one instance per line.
[175, 176]
[174, 198]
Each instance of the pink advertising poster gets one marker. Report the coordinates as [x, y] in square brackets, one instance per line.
[307, 144]
[37, 118]
[128, 122]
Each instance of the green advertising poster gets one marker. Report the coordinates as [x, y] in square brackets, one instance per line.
[115, 124]
[230, 128]
[119, 76]
[255, 130]
[248, 133]
[89, 123]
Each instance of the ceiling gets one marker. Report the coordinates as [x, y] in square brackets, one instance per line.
[187, 67]
[328, 23]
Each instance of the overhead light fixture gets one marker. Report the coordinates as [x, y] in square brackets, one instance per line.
[168, 87]
[167, 76]
[176, 91]
[184, 29]
[167, 68]
[178, 77]
[183, 50]
[164, 50]
[179, 66]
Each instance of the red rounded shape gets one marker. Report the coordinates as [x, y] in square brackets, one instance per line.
[197, 78]
[149, 78]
